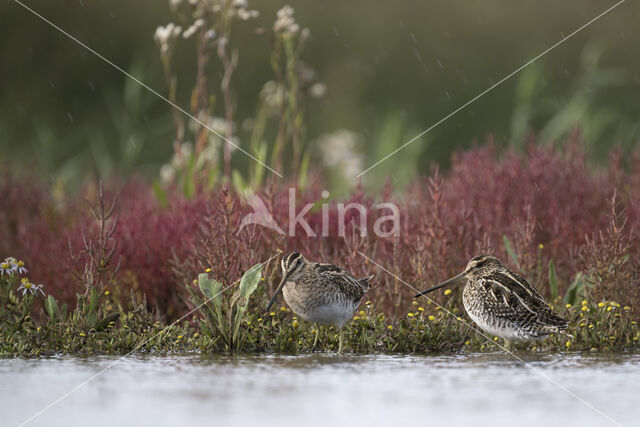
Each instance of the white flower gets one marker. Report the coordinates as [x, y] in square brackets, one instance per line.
[27, 286]
[167, 174]
[272, 94]
[245, 15]
[164, 36]
[340, 151]
[11, 266]
[199, 23]
[318, 90]
[218, 125]
[175, 4]
[285, 23]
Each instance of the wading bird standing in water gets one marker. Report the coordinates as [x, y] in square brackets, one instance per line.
[320, 293]
[503, 303]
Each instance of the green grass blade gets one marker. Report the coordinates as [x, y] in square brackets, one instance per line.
[512, 254]
[553, 281]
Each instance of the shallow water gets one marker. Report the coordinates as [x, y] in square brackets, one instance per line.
[323, 389]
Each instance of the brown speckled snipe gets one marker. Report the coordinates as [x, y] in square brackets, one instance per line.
[320, 293]
[503, 303]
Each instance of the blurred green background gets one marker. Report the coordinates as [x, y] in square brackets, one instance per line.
[392, 69]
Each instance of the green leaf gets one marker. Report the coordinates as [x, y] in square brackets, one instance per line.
[250, 280]
[161, 194]
[553, 281]
[211, 289]
[248, 285]
[51, 305]
[575, 290]
[510, 251]
[259, 170]
[238, 181]
[106, 320]
[304, 167]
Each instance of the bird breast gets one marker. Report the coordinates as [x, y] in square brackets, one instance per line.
[315, 304]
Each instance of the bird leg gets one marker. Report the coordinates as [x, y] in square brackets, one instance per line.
[340, 341]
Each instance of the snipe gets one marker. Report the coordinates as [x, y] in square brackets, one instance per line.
[503, 303]
[320, 293]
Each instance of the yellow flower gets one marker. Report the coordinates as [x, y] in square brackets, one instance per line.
[495, 338]
[259, 319]
[541, 246]
[208, 270]
[447, 292]
[38, 329]
[356, 318]
[600, 304]
[585, 308]
[633, 322]
[590, 326]
[82, 334]
[585, 302]
[179, 337]
[248, 322]
[283, 308]
[568, 344]
[432, 318]
[295, 324]
[196, 335]
[390, 327]
[459, 319]
[627, 308]
[567, 306]
[420, 309]
[467, 342]
[410, 314]
[272, 314]
[107, 293]
[368, 303]
[414, 303]
[361, 313]
[609, 308]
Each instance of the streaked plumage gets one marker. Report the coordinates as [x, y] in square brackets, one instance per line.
[318, 292]
[503, 303]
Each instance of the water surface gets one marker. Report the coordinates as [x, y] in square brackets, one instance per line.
[323, 390]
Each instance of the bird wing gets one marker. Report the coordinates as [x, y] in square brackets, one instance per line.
[515, 296]
[344, 280]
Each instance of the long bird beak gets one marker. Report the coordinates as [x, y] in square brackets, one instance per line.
[277, 292]
[454, 280]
